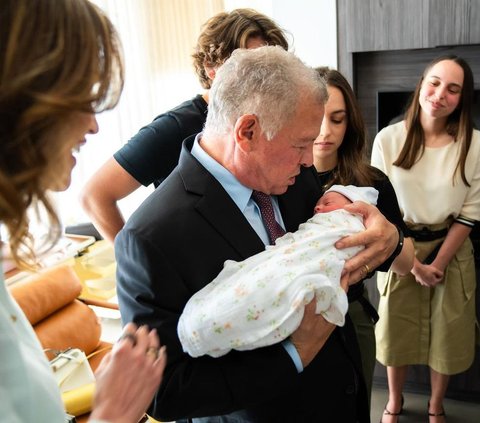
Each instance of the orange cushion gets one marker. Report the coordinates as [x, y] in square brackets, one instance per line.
[76, 325]
[46, 292]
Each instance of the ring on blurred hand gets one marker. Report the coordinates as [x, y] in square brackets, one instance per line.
[153, 351]
[366, 269]
[130, 336]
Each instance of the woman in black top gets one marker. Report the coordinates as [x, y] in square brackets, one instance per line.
[340, 158]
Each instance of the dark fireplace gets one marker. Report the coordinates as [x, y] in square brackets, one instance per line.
[391, 106]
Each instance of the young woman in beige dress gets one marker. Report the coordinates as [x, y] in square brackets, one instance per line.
[433, 161]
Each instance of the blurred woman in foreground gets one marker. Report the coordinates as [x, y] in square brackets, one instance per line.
[60, 63]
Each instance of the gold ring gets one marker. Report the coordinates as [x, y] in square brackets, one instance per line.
[130, 336]
[366, 269]
[153, 351]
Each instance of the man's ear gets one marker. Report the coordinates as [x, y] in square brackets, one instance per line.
[247, 131]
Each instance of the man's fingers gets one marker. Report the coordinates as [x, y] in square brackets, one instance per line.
[352, 240]
[358, 207]
[355, 276]
[361, 261]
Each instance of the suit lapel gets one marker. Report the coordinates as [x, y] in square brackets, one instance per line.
[216, 206]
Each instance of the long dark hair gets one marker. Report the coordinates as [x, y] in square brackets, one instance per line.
[352, 167]
[459, 123]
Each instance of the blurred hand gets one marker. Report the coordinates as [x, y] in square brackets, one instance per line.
[380, 240]
[129, 376]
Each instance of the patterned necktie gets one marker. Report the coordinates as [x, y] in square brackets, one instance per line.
[264, 203]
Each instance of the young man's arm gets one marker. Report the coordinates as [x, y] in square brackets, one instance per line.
[101, 194]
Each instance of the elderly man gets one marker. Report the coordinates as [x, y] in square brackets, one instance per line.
[237, 187]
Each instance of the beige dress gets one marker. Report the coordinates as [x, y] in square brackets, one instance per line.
[422, 325]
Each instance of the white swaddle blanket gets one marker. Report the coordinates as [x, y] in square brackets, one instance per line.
[260, 301]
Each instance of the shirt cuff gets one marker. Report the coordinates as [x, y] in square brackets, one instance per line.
[293, 353]
[465, 221]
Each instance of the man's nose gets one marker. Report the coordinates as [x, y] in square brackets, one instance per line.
[307, 157]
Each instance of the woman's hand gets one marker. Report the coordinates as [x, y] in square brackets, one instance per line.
[426, 274]
[432, 274]
[129, 376]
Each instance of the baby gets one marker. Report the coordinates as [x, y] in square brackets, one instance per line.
[260, 301]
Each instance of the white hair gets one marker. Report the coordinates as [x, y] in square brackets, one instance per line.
[268, 82]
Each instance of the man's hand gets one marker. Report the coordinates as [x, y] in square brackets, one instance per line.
[312, 334]
[380, 240]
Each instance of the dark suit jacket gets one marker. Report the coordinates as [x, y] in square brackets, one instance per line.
[176, 243]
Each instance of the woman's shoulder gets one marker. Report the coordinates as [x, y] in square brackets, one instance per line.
[379, 179]
[391, 138]
[378, 175]
[393, 130]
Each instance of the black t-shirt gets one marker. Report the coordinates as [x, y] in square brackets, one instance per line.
[152, 154]
[387, 202]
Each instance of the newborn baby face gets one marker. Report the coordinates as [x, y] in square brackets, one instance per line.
[331, 201]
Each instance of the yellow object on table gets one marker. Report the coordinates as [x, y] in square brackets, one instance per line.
[79, 401]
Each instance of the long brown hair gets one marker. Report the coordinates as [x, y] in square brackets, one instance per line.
[56, 57]
[227, 31]
[352, 167]
[459, 123]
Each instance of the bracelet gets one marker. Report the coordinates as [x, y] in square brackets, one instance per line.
[399, 247]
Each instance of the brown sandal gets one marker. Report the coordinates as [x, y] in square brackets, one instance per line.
[386, 412]
[441, 414]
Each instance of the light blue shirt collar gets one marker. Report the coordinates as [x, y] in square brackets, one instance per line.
[239, 193]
